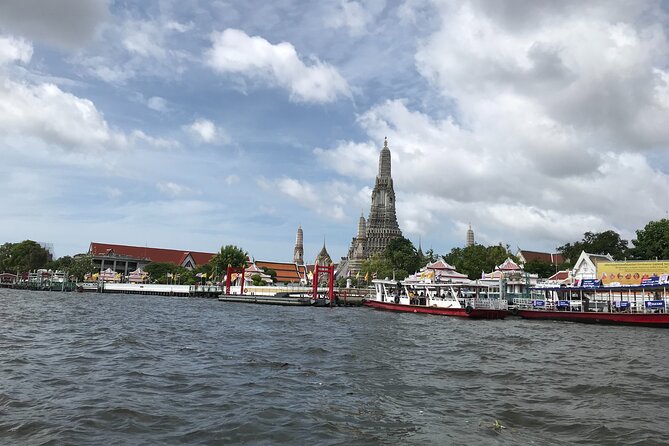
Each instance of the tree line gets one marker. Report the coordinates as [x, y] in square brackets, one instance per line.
[29, 255]
[399, 259]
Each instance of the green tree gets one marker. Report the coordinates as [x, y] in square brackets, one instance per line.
[228, 255]
[380, 265]
[475, 259]
[257, 280]
[5, 256]
[652, 241]
[340, 282]
[402, 255]
[430, 256]
[62, 263]
[607, 242]
[211, 271]
[159, 271]
[80, 266]
[543, 269]
[27, 255]
[270, 272]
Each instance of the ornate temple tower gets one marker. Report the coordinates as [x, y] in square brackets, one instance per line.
[356, 253]
[298, 252]
[470, 236]
[381, 226]
[382, 222]
[323, 258]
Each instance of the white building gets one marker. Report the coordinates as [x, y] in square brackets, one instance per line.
[515, 279]
[586, 266]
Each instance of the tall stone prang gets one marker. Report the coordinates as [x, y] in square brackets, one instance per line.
[356, 253]
[298, 252]
[382, 224]
[470, 236]
[380, 228]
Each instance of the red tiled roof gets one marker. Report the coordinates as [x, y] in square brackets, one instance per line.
[286, 272]
[440, 264]
[547, 257]
[508, 265]
[174, 256]
[560, 275]
[253, 268]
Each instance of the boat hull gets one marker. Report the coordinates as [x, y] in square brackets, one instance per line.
[475, 313]
[266, 300]
[642, 319]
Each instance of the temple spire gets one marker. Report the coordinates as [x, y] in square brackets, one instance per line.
[323, 258]
[298, 252]
[384, 161]
[380, 227]
[470, 236]
[362, 226]
[382, 222]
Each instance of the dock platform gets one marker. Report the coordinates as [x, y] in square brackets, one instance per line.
[266, 300]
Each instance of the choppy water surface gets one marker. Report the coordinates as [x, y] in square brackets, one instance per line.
[114, 369]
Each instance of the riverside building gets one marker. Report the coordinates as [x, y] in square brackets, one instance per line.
[125, 259]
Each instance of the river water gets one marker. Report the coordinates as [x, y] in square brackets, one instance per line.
[116, 369]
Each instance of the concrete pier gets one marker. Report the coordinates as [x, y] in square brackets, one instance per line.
[156, 289]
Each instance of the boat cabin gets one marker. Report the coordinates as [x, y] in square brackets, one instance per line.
[438, 295]
[592, 297]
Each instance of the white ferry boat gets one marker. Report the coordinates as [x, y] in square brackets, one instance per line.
[466, 299]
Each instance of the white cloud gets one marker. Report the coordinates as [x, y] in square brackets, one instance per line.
[144, 38]
[445, 173]
[592, 76]
[46, 112]
[113, 192]
[231, 179]
[140, 138]
[132, 48]
[105, 70]
[558, 106]
[179, 27]
[207, 131]
[347, 154]
[14, 50]
[355, 16]
[330, 205]
[158, 104]
[234, 51]
[174, 190]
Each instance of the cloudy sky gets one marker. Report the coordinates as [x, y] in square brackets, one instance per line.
[190, 124]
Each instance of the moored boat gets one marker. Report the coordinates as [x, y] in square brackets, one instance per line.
[644, 305]
[465, 299]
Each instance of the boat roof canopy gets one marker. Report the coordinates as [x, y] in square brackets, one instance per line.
[604, 288]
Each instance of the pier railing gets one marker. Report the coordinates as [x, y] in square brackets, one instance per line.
[639, 306]
[488, 304]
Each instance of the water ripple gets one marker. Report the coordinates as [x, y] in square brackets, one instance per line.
[114, 369]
